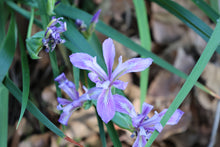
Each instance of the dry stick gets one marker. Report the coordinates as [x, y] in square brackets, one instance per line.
[215, 126]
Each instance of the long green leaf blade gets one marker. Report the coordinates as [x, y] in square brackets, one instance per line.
[8, 49]
[75, 13]
[144, 32]
[207, 10]
[3, 115]
[191, 80]
[25, 79]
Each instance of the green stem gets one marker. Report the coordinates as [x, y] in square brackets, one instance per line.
[113, 134]
[101, 130]
[30, 23]
[55, 69]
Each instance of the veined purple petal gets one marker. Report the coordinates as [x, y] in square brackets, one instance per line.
[104, 85]
[65, 115]
[137, 120]
[123, 105]
[141, 139]
[109, 54]
[94, 93]
[131, 65]
[146, 108]
[159, 127]
[94, 77]
[120, 84]
[63, 101]
[84, 97]
[61, 78]
[141, 118]
[151, 122]
[87, 62]
[106, 106]
[95, 18]
[67, 86]
[174, 118]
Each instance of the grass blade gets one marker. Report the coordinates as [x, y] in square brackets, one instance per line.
[3, 115]
[75, 13]
[4, 11]
[207, 10]
[25, 69]
[145, 38]
[25, 79]
[8, 49]
[191, 80]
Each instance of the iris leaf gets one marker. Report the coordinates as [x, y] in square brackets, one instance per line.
[144, 31]
[25, 79]
[7, 49]
[3, 115]
[207, 10]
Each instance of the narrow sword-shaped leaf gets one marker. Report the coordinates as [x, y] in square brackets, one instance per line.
[25, 79]
[3, 115]
[207, 10]
[144, 31]
[8, 49]
[25, 69]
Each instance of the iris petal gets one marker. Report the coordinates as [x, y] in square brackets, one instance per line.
[63, 101]
[123, 105]
[131, 65]
[109, 54]
[106, 106]
[67, 86]
[120, 84]
[174, 119]
[87, 62]
[141, 138]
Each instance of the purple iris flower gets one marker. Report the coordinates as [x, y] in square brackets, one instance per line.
[75, 101]
[52, 34]
[106, 101]
[143, 125]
